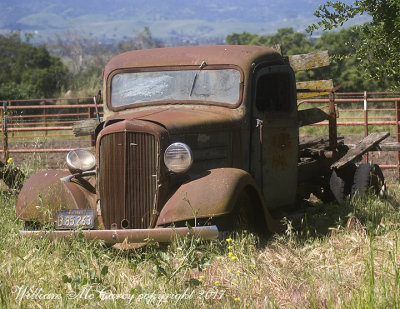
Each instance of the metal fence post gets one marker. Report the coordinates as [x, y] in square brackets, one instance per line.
[396, 104]
[92, 142]
[332, 122]
[77, 109]
[45, 117]
[5, 132]
[365, 121]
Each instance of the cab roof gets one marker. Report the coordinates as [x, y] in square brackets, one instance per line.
[239, 55]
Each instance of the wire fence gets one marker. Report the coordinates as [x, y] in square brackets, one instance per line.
[42, 118]
[360, 113]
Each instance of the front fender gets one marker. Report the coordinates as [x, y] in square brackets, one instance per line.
[211, 195]
[44, 193]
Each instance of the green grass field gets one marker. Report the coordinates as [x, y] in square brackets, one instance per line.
[342, 256]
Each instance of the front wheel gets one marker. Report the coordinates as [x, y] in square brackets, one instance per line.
[242, 217]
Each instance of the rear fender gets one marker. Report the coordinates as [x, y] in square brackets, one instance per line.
[44, 193]
[211, 195]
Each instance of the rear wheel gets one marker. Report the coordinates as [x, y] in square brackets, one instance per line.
[368, 178]
[340, 183]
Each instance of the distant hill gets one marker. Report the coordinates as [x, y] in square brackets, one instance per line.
[167, 19]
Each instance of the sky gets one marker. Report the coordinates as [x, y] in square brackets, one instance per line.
[120, 19]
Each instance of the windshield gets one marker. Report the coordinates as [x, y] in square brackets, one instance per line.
[187, 85]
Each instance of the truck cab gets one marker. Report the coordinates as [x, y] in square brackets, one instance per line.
[203, 136]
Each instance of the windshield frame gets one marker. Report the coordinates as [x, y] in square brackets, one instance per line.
[169, 102]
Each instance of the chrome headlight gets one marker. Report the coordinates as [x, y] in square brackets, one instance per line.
[178, 157]
[80, 160]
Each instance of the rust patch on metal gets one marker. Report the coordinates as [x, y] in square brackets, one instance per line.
[128, 188]
[278, 151]
[279, 161]
[242, 56]
[129, 168]
[203, 138]
[281, 141]
[44, 193]
[129, 235]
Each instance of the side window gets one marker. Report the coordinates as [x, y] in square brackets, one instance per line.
[274, 92]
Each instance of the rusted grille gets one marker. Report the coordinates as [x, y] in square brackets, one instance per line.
[128, 169]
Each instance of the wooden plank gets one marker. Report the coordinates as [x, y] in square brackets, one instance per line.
[315, 84]
[388, 147]
[311, 115]
[321, 142]
[84, 127]
[309, 61]
[395, 146]
[312, 87]
[365, 145]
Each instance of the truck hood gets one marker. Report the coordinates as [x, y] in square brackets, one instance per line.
[176, 119]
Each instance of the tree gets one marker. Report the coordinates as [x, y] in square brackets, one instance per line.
[343, 69]
[244, 38]
[291, 42]
[378, 46]
[85, 57]
[28, 71]
[344, 66]
[142, 40]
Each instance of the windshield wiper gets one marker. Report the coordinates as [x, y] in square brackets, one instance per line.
[202, 65]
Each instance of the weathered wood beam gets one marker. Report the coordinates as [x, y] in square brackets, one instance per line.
[381, 147]
[84, 127]
[365, 145]
[321, 142]
[310, 89]
[311, 115]
[309, 61]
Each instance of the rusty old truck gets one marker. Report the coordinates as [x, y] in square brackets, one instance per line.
[195, 140]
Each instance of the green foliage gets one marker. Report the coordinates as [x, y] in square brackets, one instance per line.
[344, 68]
[378, 46]
[291, 42]
[244, 38]
[28, 71]
[87, 82]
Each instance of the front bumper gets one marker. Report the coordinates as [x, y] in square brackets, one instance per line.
[129, 235]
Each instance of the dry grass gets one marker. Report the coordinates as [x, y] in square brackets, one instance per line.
[352, 264]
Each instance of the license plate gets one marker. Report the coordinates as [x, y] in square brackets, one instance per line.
[74, 218]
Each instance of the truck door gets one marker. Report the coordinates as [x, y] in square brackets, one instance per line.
[274, 142]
